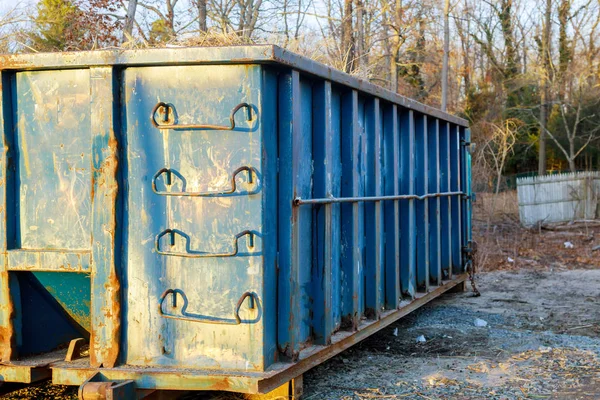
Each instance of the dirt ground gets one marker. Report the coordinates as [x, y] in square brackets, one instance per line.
[539, 298]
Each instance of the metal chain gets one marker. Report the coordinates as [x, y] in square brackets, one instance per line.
[472, 268]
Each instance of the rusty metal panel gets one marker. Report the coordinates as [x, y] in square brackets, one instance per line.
[105, 280]
[7, 201]
[49, 260]
[227, 217]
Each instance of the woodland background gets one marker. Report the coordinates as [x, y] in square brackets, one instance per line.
[525, 73]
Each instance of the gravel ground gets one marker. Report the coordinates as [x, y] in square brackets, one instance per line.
[542, 341]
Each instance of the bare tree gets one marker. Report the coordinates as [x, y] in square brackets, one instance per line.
[573, 121]
[496, 151]
[9, 23]
[129, 20]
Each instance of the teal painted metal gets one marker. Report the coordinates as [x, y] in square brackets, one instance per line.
[241, 213]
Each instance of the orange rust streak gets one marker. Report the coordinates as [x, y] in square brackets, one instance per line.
[7, 333]
[104, 190]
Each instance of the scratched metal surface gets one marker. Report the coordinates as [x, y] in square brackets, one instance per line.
[201, 161]
[53, 159]
[188, 246]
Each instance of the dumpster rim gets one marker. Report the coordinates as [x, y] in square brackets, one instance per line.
[244, 54]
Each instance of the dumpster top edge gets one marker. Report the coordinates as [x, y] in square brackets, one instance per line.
[212, 55]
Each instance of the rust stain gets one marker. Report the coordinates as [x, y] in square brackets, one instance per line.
[105, 352]
[13, 62]
[113, 311]
[7, 333]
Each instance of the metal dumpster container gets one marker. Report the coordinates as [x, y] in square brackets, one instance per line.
[215, 218]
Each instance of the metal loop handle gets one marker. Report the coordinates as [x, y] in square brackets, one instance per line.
[231, 190]
[167, 125]
[172, 232]
[185, 316]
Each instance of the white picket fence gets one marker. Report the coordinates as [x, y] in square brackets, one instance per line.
[559, 198]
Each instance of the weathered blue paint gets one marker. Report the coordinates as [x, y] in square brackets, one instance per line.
[445, 220]
[422, 207]
[433, 183]
[72, 292]
[53, 213]
[334, 182]
[203, 160]
[455, 202]
[153, 201]
[352, 214]
[408, 233]
[327, 172]
[391, 144]
[374, 228]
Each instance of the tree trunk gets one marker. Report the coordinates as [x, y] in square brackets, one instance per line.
[360, 34]
[545, 87]
[347, 38]
[387, 45]
[446, 54]
[201, 15]
[572, 154]
[129, 21]
[511, 69]
[463, 34]
[564, 48]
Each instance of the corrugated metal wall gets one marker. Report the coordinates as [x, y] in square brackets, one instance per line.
[377, 195]
[558, 198]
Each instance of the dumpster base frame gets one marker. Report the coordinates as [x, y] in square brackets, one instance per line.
[278, 374]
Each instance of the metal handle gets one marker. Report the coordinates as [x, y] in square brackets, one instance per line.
[198, 318]
[166, 125]
[168, 171]
[172, 232]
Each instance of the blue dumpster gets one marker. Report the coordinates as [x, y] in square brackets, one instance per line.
[215, 218]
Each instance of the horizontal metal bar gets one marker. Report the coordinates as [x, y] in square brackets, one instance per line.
[299, 201]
